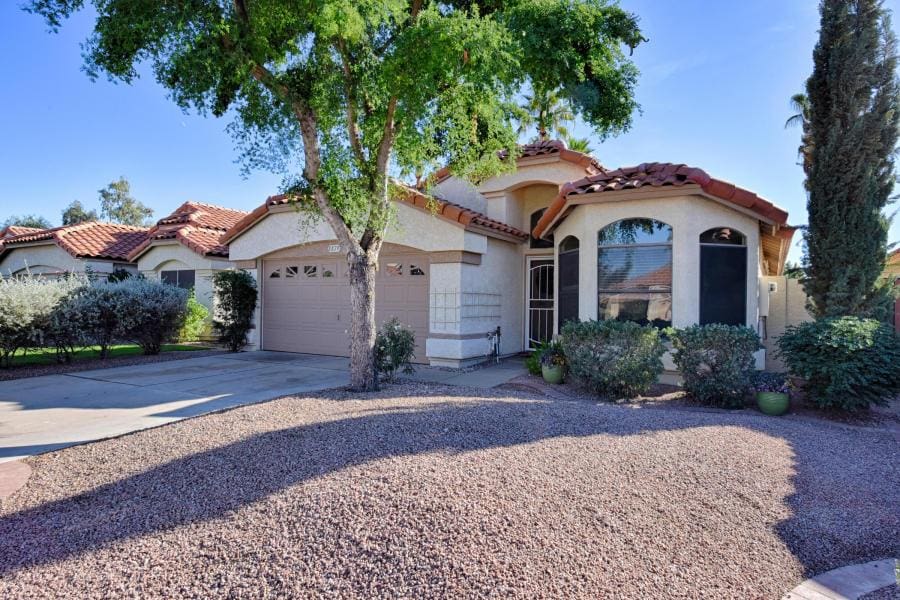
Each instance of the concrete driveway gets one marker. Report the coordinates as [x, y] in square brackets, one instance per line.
[39, 414]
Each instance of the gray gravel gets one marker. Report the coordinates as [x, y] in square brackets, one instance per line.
[426, 491]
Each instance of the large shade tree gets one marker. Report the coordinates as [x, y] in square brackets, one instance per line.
[355, 91]
[851, 133]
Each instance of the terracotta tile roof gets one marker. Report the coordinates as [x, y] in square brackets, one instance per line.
[86, 240]
[544, 148]
[197, 226]
[14, 230]
[660, 175]
[470, 219]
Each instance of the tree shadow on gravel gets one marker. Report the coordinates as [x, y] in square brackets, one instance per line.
[226, 478]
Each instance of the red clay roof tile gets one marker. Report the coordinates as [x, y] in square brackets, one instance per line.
[86, 240]
[196, 225]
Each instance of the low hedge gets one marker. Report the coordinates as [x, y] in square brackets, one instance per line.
[614, 359]
[848, 362]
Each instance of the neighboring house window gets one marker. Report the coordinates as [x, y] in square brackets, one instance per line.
[634, 272]
[723, 277]
[535, 242]
[181, 278]
[568, 280]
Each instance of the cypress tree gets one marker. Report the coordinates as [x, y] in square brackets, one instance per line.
[853, 127]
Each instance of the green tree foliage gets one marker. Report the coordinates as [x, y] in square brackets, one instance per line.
[349, 91]
[854, 112]
[117, 205]
[236, 294]
[848, 362]
[800, 118]
[35, 221]
[195, 321]
[579, 145]
[548, 113]
[75, 213]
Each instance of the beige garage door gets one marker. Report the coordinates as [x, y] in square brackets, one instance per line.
[306, 301]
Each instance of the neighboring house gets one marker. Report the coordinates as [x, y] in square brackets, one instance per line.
[14, 230]
[184, 248]
[560, 238]
[97, 247]
[892, 271]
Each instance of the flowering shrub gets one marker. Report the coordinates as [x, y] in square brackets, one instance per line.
[553, 355]
[778, 383]
[394, 349]
[716, 361]
[613, 358]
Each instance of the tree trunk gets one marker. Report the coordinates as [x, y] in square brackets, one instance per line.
[363, 376]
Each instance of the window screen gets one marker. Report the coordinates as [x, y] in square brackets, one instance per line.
[634, 272]
[181, 278]
[568, 280]
[723, 277]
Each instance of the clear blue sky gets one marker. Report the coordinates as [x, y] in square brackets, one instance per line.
[715, 82]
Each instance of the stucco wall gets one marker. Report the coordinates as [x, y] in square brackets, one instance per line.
[689, 216]
[787, 306]
[50, 258]
[409, 227]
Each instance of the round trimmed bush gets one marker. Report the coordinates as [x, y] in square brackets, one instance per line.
[848, 362]
[716, 362]
[615, 359]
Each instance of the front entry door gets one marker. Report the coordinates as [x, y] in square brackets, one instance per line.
[539, 318]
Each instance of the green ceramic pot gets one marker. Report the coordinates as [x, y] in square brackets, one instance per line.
[553, 373]
[773, 403]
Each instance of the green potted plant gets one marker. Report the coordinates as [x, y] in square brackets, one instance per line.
[553, 363]
[773, 393]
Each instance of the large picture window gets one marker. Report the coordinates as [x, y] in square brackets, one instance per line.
[723, 277]
[634, 272]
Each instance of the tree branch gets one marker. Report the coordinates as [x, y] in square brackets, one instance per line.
[352, 127]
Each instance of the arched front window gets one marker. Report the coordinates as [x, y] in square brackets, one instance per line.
[723, 276]
[634, 272]
[535, 242]
[568, 280]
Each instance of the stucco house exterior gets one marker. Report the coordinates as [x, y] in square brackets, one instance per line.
[560, 238]
[184, 248]
[99, 248]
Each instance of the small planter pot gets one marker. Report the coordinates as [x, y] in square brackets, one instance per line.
[773, 403]
[553, 373]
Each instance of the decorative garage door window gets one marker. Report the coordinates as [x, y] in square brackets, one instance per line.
[183, 278]
[634, 272]
[723, 276]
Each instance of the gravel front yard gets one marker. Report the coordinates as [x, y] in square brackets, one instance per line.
[437, 491]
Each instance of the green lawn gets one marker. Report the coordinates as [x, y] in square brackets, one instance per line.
[45, 356]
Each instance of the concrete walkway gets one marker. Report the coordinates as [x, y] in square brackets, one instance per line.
[848, 583]
[40, 414]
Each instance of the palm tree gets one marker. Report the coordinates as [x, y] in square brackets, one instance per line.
[548, 112]
[800, 106]
[582, 145]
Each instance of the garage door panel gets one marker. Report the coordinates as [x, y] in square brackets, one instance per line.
[307, 308]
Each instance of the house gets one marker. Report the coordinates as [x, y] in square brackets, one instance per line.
[184, 248]
[98, 248]
[562, 237]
